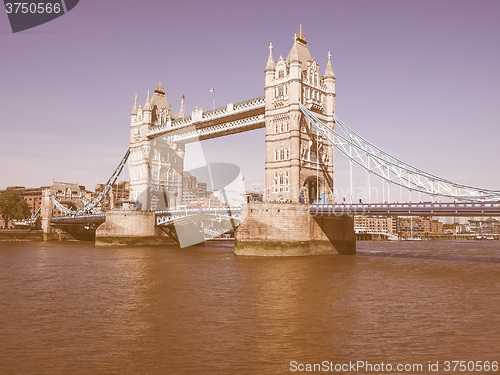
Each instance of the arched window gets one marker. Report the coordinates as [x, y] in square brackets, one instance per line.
[275, 183]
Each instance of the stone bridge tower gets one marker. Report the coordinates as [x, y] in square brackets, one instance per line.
[155, 166]
[299, 162]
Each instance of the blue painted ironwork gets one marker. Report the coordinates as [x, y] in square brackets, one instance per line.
[94, 210]
[473, 209]
[65, 210]
[79, 219]
[28, 221]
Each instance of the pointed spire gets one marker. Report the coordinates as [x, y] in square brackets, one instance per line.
[134, 110]
[300, 36]
[270, 61]
[181, 112]
[329, 70]
[294, 53]
[147, 106]
[299, 51]
[159, 89]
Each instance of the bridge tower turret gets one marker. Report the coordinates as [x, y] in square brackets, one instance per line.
[140, 179]
[269, 71]
[299, 162]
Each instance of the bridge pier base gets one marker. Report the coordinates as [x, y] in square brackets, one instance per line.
[288, 229]
[125, 228]
[49, 233]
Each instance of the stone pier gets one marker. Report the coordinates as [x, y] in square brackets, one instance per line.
[124, 228]
[288, 229]
[46, 211]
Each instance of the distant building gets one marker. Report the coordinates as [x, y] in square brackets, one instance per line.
[68, 194]
[450, 228]
[32, 196]
[418, 226]
[373, 224]
[401, 226]
[116, 198]
[211, 201]
[194, 192]
[480, 227]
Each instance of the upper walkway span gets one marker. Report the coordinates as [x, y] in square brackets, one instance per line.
[231, 119]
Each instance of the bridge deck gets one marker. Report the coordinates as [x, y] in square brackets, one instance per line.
[485, 209]
[78, 219]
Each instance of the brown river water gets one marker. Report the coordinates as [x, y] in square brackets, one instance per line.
[72, 308]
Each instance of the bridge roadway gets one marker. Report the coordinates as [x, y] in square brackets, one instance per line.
[231, 119]
[470, 209]
[78, 219]
[483, 209]
[174, 216]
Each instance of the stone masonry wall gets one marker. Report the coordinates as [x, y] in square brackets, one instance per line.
[285, 229]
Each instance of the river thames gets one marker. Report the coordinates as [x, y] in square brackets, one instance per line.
[72, 308]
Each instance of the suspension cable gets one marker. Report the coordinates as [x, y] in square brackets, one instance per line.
[404, 175]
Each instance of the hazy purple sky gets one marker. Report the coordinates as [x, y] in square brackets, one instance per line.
[420, 79]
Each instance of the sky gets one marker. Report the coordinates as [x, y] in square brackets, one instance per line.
[419, 79]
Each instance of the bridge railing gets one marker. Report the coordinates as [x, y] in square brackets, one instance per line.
[167, 217]
[231, 109]
[409, 209]
[78, 218]
[220, 128]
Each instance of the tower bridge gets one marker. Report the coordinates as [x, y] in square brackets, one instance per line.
[299, 215]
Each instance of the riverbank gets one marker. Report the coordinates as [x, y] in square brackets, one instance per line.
[38, 235]
[443, 237]
[32, 235]
[20, 235]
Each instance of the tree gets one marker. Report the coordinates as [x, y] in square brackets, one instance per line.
[12, 206]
